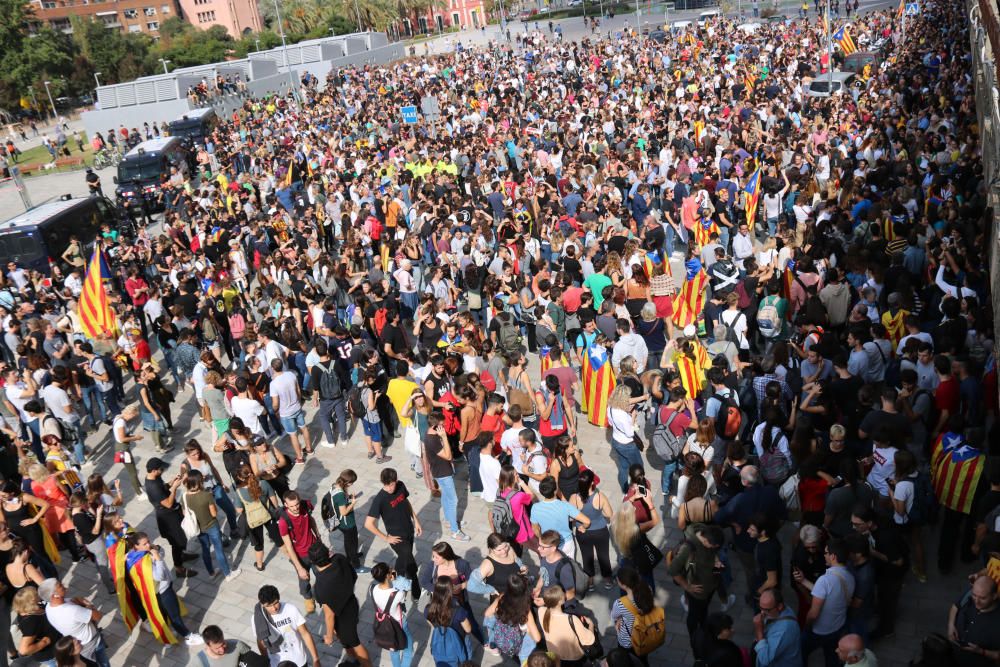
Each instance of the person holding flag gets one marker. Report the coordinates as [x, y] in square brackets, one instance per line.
[150, 576]
[956, 469]
[843, 39]
[586, 338]
[690, 301]
[599, 381]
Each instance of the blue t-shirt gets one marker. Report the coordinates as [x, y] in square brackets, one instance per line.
[555, 515]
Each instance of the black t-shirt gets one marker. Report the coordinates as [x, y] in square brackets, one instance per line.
[84, 523]
[430, 335]
[38, 626]
[767, 555]
[394, 510]
[439, 466]
[572, 266]
[617, 244]
[393, 335]
[158, 491]
[188, 303]
[335, 584]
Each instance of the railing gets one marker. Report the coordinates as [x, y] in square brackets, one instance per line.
[988, 15]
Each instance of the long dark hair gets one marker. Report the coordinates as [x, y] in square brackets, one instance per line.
[515, 603]
[439, 610]
[642, 596]
[585, 484]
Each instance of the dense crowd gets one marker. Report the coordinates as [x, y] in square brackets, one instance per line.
[775, 306]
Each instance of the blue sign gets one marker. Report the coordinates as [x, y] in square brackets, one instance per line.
[409, 115]
[913, 9]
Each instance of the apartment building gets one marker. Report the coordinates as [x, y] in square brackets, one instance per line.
[236, 16]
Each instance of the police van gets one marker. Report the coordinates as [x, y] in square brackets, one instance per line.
[143, 170]
[193, 126]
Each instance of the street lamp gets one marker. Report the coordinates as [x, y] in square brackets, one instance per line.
[333, 32]
[165, 63]
[49, 93]
[357, 11]
[284, 47]
[97, 74]
[257, 44]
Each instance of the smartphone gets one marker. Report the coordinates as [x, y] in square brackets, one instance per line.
[641, 490]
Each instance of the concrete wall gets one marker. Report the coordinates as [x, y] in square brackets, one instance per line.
[101, 120]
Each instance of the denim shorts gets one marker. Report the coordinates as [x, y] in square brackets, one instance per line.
[372, 430]
[293, 423]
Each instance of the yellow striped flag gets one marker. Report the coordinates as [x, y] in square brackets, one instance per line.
[690, 301]
[752, 189]
[902, 7]
[843, 38]
[126, 603]
[601, 384]
[895, 325]
[699, 127]
[140, 569]
[955, 470]
[96, 315]
[692, 377]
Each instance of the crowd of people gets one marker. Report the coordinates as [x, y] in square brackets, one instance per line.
[773, 306]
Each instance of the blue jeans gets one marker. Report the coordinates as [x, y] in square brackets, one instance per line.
[212, 537]
[329, 408]
[403, 658]
[109, 401]
[449, 501]
[225, 503]
[171, 605]
[92, 396]
[168, 357]
[101, 652]
[668, 471]
[625, 456]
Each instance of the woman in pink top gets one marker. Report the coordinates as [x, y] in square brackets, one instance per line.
[520, 496]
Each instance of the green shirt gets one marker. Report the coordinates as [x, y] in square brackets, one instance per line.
[596, 283]
[340, 499]
[199, 504]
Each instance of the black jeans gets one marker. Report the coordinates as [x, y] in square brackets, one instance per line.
[406, 564]
[595, 542]
[697, 616]
[889, 590]
[305, 585]
[351, 546]
[956, 528]
[171, 605]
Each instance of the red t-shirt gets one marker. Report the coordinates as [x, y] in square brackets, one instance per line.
[680, 423]
[571, 299]
[812, 494]
[303, 532]
[494, 423]
[947, 396]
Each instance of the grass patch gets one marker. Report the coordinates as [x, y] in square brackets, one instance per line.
[39, 155]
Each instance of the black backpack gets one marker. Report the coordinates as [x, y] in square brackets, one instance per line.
[354, 403]
[386, 630]
[329, 382]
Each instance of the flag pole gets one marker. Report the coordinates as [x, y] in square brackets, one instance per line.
[829, 37]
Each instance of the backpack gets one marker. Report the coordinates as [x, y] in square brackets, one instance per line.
[507, 639]
[729, 419]
[447, 648]
[667, 445]
[768, 321]
[354, 403]
[386, 630]
[237, 326]
[649, 631]
[774, 466]
[741, 291]
[329, 382]
[329, 513]
[502, 515]
[731, 335]
[580, 578]
[925, 503]
[509, 334]
[381, 315]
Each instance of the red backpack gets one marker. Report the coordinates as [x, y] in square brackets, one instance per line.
[729, 419]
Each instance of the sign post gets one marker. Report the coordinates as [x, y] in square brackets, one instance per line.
[409, 115]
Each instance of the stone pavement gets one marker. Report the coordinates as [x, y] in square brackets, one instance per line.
[924, 607]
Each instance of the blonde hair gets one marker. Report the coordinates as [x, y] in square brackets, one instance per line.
[26, 601]
[627, 367]
[624, 528]
[837, 431]
[37, 472]
[621, 398]
[554, 597]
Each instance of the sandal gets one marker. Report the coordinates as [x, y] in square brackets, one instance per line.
[300, 460]
[259, 568]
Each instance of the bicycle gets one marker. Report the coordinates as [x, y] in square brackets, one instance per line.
[105, 158]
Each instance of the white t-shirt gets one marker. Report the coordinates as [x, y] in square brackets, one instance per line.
[57, 400]
[97, 365]
[883, 469]
[381, 597]
[283, 386]
[535, 463]
[249, 411]
[287, 621]
[778, 439]
[905, 491]
[489, 474]
[72, 620]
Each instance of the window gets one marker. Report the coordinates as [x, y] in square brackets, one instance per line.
[454, 19]
[206, 17]
[164, 9]
[48, 5]
[131, 14]
[150, 11]
[153, 26]
[135, 27]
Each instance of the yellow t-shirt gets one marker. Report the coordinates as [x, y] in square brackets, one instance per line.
[399, 391]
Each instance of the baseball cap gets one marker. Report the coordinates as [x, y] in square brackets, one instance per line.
[155, 464]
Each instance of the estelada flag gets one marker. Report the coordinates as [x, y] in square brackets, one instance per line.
[602, 383]
[690, 301]
[843, 38]
[894, 325]
[752, 190]
[787, 278]
[653, 259]
[96, 315]
[587, 340]
[955, 470]
[140, 570]
[126, 601]
[546, 360]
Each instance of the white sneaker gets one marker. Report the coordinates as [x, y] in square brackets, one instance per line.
[235, 573]
[327, 444]
[730, 601]
[194, 639]
[684, 603]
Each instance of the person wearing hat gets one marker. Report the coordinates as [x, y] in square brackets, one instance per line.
[77, 618]
[168, 512]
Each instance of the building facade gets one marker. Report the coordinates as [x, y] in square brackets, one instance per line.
[124, 15]
[444, 15]
[236, 16]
